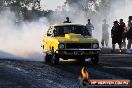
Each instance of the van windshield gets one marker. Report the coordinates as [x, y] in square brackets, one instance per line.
[62, 30]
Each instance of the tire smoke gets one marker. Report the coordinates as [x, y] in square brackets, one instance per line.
[21, 40]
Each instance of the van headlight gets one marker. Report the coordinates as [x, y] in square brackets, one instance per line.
[95, 46]
[61, 46]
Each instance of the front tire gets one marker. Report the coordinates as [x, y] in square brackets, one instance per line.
[48, 58]
[54, 59]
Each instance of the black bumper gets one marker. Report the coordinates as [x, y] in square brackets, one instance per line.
[77, 53]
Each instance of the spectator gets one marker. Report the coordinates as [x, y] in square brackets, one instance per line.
[105, 34]
[67, 20]
[90, 27]
[123, 27]
[129, 35]
[116, 35]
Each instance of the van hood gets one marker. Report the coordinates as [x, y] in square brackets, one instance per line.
[76, 38]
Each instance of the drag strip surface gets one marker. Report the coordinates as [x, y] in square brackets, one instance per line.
[20, 74]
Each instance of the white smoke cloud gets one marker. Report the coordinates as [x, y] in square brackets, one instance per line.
[120, 9]
[21, 40]
[51, 4]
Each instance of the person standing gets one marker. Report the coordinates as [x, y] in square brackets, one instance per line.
[67, 20]
[124, 29]
[116, 35]
[89, 27]
[129, 35]
[105, 34]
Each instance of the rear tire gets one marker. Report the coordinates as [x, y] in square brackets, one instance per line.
[95, 60]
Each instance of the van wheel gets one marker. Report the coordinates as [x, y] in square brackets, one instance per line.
[48, 58]
[95, 60]
[54, 59]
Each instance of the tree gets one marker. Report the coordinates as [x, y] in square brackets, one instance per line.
[34, 4]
